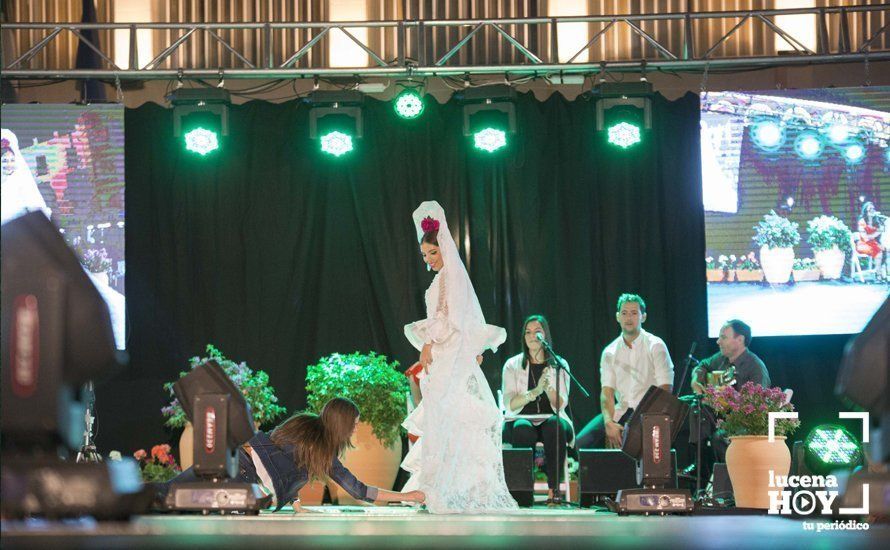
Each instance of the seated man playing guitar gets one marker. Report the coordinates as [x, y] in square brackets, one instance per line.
[734, 364]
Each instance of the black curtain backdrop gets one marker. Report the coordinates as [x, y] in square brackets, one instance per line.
[279, 255]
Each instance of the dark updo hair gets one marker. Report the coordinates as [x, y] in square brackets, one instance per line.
[431, 237]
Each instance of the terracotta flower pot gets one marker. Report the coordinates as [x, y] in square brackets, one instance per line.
[830, 262]
[776, 264]
[370, 461]
[312, 493]
[186, 446]
[748, 275]
[715, 275]
[749, 460]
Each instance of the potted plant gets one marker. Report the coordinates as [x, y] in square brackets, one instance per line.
[715, 270]
[777, 237]
[379, 390]
[97, 262]
[743, 417]
[160, 466]
[830, 239]
[746, 268]
[805, 270]
[253, 384]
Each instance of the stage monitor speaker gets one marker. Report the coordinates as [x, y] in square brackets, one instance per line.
[722, 483]
[604, 472]
[519, 472]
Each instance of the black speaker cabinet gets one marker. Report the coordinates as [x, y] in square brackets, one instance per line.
[519, 472]
[604, 472]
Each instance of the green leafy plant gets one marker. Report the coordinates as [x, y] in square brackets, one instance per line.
[744, 262]
[373, 383]
[253, 384]
[802, 264]
[826, 232]
[746, 411]
[774, 231]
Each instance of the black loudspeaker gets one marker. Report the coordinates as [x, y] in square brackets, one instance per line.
[519, 472]
[604, 472]
[722, 483]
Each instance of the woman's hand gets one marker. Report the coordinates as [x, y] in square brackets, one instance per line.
[414, 496]
[479, 360]
[426, 357]
[544, 383]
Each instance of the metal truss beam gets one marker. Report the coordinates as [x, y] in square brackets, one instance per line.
[536, 63]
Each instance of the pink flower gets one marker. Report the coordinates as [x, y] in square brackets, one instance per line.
[140, 454]
[429, 224]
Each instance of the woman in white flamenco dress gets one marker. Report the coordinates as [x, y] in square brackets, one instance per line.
[457, 461]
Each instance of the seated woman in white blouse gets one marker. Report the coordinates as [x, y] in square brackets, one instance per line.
[529, 394]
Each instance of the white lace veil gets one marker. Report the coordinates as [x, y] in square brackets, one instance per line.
[464, 312]
[20, 192]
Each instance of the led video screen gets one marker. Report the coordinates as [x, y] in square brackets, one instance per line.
[796, 192]
[68, 161]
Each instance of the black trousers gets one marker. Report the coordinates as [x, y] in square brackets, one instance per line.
[522, 433]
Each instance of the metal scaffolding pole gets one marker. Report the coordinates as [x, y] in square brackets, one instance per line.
[413, 36]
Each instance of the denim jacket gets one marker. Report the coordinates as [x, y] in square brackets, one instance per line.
[288, 478]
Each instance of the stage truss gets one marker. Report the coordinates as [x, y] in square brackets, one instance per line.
[834, 45]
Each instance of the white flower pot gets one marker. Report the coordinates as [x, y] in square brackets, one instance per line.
[830, 262]
[777, 264]
[100, 278]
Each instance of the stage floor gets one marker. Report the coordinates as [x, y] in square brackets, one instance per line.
[363, 527]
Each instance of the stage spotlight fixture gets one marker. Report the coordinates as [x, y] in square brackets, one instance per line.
[854, 153]
[201, 141]
[808, 146]
[336, 143]
[489, 116]
[768, 134]
[829, 448]
[838, 133]
[201, 116]
[624, 110]
[490, 139]
[409, 104]
[335, 117]
[624, 134]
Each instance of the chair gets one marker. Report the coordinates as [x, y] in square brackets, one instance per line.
[855, 266]
[565, 484]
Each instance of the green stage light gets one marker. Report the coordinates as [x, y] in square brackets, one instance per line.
[336, 143]
[201, 141]
[624, 134]
[490, 139]
[409, 104]
[830, 448]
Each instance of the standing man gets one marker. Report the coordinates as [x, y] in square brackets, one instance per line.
[629, 365]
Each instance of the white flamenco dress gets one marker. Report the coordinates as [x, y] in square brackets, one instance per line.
[457, 461]
[18, 191]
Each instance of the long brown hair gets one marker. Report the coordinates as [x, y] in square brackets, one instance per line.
[545, 326]
[318, 439]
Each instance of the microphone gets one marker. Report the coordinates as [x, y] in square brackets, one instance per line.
[540, 337]
[690, 358]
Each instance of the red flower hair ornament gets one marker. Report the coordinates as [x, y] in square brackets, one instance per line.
[428, 225]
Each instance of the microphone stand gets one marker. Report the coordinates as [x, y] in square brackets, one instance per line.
[697, 412]
[558, 364]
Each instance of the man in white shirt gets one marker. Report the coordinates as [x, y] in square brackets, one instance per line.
[629, 365]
